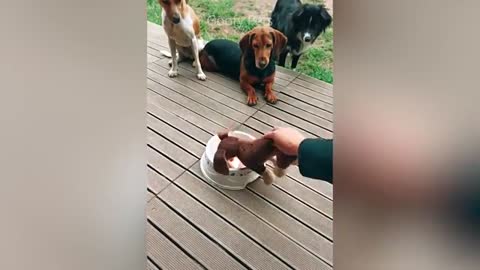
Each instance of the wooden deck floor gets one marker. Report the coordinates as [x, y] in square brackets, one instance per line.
[194, 225]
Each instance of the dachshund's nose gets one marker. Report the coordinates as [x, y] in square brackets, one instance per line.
[262, 63]
[176, 18]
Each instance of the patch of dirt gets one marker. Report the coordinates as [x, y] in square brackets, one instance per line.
[262, 10]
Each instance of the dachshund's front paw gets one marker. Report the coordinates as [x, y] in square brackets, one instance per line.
[252, 100]
[271, 97]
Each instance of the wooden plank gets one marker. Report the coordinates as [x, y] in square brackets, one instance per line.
[312, 94]
[215, 227]
[156, 47]
[284, 99]
[294, 206]
[170, 150]
[322, 187]
[184, 113]
[280, 81]
[313, 87]
[151, 266]
[322, 128]
[258, 126]
[291, 252]
[174, 121]
[303, 114]
[288, 72]
[282, 222]
[189, 94]
[320, 83]
[186, 102]
[156, 34]
[154, 52]
[151, 58]
[285, 74]
[220, 96]
[308, 100]
[236, 93]
[163, 165]
[208, 253]
[155, 181]
[275, 122]
[165, 253]
[188, 144]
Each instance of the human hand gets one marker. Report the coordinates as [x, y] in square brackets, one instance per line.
[286, 140]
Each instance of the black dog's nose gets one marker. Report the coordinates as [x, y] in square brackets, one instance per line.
[262, 64]
[307, 39]
[175, 19]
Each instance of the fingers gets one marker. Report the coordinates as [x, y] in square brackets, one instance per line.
[269, 135]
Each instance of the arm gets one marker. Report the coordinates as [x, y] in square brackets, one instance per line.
[315, 159]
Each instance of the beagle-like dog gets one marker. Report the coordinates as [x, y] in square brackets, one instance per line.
[183, 30]
[260, 48]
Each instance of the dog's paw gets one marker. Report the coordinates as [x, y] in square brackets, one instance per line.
[201, 76]
[172, 73]
[271, 97]
[252, 100]
[268, 177]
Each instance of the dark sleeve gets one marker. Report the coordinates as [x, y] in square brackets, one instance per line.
[315, 159]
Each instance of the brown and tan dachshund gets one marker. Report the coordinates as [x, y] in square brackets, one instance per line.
[252, 60]
[260, 47]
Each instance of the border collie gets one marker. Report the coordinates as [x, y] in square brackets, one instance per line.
[301, 23]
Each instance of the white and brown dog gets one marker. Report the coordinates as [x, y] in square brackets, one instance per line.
[183, 30]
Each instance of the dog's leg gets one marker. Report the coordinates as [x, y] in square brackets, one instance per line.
[269, 94]
[251, 96]
[173, 50]
[295, 61]
[283, 58]
[200, 74]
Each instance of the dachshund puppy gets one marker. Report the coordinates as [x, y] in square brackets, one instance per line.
[183, 30]
[260, 48]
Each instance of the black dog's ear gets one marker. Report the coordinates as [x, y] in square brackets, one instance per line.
[246, 41]
[327, 18]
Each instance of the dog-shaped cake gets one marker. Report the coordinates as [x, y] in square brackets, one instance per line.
[253, 154]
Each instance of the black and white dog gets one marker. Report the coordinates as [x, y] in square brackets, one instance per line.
[301, 23]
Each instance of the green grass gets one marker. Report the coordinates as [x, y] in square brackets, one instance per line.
[244, 25]
[316, 62]
[154, 12]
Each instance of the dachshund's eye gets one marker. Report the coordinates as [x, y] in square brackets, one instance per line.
[165, 1]
[268, 45]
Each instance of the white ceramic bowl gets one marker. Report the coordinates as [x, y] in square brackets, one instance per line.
[237, 178]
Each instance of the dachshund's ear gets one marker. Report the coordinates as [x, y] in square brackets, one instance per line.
[279, 42]
[246, 41]
[220, 162]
